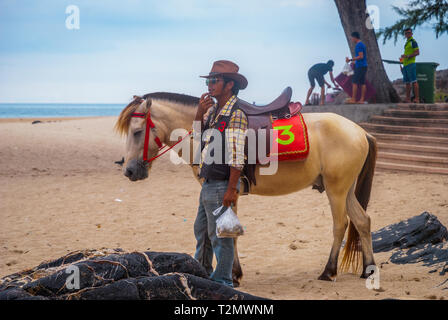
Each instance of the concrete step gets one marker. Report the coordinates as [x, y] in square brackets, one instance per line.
[421, 131]
[423, 150]
[412, 159]
[408, 113]
[411, 139]
[387, 166]
[423, 106]
[417, 122]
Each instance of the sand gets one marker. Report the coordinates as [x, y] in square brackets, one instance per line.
[60, 191]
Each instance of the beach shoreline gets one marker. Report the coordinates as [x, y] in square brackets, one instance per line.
[50, 119]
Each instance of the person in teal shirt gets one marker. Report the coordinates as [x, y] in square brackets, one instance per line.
[411, 50]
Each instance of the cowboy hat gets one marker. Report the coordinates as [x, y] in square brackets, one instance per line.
[229, 70]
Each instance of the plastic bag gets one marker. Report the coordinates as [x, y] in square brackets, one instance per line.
[347, 70]
[227, 225]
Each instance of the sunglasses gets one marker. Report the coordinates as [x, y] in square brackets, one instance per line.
[212, 81]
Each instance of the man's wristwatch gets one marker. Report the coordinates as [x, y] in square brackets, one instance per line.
[234, 189]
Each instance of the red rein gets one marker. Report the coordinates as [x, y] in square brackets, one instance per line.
[150, 125]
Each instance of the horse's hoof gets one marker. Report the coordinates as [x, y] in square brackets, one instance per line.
[326, 277]
[365, 275]
[236, 279]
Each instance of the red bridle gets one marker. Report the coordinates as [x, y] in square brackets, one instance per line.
[150, 125]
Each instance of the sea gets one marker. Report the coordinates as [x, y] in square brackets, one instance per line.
[58, 110]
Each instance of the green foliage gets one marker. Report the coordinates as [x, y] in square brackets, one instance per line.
[417, 13]
[441, 96]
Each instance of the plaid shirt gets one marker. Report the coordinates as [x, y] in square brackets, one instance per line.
[235, 132]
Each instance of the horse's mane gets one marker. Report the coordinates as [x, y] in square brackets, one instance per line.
[124, 118]
[175, 97]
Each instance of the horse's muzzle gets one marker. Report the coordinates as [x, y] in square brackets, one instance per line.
[136, 170]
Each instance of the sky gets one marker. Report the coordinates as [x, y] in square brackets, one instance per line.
[123, 48]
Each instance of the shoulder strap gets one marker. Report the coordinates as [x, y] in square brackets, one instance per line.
[228, 117]
[237, 106]
[207, 122]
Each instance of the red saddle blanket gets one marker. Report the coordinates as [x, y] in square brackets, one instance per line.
[290, 139]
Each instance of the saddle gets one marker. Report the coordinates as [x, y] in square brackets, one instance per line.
[262, 117]
[278, 106]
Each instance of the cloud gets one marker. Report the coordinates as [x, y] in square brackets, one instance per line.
[140, 46]
[298, 3]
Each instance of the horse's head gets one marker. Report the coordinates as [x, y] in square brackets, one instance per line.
[132, 124]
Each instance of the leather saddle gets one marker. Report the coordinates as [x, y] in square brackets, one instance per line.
[276, 106]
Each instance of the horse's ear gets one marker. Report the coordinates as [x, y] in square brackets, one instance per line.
[148, 103]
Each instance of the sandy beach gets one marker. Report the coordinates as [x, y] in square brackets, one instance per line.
[61, 191]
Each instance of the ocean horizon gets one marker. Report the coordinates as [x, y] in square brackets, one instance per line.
[56, 110]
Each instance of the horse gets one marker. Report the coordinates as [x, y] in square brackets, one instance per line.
[341, 161]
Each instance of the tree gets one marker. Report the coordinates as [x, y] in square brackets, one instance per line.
[353, 18]
[417, 13]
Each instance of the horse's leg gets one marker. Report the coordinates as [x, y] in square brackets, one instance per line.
[237, 272]
[361, 221]
[340, 222]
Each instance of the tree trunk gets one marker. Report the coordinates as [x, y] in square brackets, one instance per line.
[353, 18]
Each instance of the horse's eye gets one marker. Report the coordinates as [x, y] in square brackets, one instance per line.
[137, 133]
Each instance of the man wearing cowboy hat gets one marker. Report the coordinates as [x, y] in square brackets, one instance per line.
[221, 175]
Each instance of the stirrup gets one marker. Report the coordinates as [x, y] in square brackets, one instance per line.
[244, 186]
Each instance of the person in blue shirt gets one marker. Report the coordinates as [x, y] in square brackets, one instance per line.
[360, 59]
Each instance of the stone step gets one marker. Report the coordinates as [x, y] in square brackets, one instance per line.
[412, 159]
[423, 106]
[417, 122]
[424, 150]
[411, 139]
[407, 113]
[386, 166]
[421, 131]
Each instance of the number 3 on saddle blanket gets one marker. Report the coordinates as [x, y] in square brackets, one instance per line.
[290, 138]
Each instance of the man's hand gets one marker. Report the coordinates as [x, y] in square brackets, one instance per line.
[230, 197]
[205, 102]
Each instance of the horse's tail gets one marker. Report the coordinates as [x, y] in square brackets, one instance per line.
[352, 249]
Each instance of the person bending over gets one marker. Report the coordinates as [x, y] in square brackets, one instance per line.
[316, 73]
